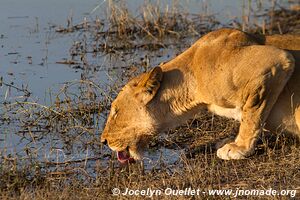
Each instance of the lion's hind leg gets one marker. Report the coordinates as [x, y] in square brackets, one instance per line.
[297, 119]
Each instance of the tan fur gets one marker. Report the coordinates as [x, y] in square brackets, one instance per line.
[247, 77]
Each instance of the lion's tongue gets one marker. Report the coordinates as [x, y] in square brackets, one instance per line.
[123, 156]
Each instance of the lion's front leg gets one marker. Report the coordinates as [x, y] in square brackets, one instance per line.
[243, 145]
[259, 96]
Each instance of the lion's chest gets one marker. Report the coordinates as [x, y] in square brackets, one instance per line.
[234, 113]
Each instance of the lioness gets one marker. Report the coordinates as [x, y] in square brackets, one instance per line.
[253, 79]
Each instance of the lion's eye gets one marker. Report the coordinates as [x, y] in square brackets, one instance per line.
[114, 112]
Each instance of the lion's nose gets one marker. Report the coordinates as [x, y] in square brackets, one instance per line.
[104, 142]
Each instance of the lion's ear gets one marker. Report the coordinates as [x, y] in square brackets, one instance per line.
[149, 85]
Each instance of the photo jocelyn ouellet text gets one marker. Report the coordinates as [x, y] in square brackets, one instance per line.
[149, 192]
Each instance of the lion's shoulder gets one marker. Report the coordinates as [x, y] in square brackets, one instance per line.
[228, 37]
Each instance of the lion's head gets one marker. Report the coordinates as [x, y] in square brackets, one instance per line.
[130, 123]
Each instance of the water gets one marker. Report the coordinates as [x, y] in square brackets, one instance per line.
[30, 49]
[25, 26]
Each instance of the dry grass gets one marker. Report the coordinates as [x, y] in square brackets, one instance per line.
[150, 28]
[70, 124]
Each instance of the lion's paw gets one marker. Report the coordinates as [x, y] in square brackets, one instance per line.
[232, 151]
